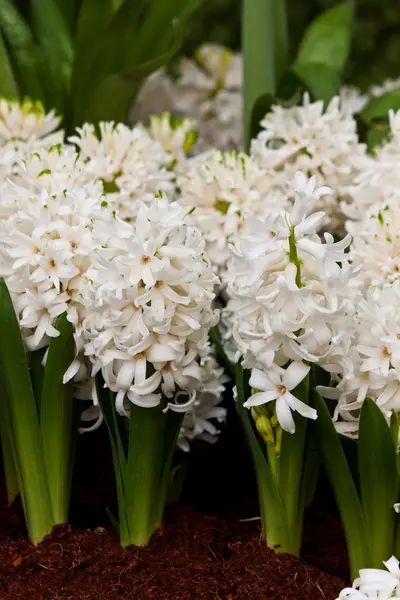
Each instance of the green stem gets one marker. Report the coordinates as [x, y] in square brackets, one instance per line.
[272, 460]
[293, 256]
[281, 37]
[259, 76]
[143, 472]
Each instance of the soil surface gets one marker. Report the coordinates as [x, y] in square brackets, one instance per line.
[206, 550]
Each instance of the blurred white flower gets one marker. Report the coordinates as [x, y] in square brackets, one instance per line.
[375, 584]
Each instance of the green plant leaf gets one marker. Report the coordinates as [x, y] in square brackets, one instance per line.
[54, 37]
[70, 9]
[258, 44]
[337, 469]
[378, 480]
[376, 136]
[56, 417]
[24, 52]
[153, 34]
[273, 514]
[8, 84]
[378, 108]
[107, 405]
[394, 429]
[319, 79]
[291, 467]
[18, 394]
[327, 39]
[144, 468]
[36, 370]
[114, 96]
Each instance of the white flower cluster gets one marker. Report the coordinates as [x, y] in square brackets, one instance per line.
[138, 293]
[131, 164]
[208, 88]
[372, 365]
[224, 187]
[150, 288]
[375, 584]
[320, 142]
[377, 178]
[25, 127]
[292, 300]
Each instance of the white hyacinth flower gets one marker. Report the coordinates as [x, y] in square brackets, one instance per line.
[375, 584]
[291, 301]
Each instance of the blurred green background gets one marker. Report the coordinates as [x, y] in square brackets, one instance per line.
[376, 44]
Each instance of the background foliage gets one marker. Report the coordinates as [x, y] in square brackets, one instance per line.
[376, 45]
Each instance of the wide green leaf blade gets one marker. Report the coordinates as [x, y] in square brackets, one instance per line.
[320, 80]
[144, 467]
[10, 463]
[378, 480]
[94, 19]
[273, 513]
[337, 469]
[327, 39]
[69, 9]
[259, 77]
[56, 417]
[18, 394]
[8, 84]
[153, 34]
[55, 39]
[378, 108]
[24, 51]
[114, 96]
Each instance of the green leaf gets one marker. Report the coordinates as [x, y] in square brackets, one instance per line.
[56, 418]
[273, 514]
[378, 108]
[319, 79]
[394, 429]
[144, 467]
[108, 54]
[24, 51]
[114, 96]
[327, 39]
[54, 37]
[8, 84]
[107, 405]
[376, 136]
[18, 394]
[153, 34]
[9, 455]
[337, 469]
[281, 37]
[36, 370]
[258, 44]
[93, 21]
[378, 480]
[69, 9]
[291, 467]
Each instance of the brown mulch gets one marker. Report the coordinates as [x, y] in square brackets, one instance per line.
[192, 557]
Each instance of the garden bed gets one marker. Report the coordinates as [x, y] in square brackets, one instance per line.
[195, 555]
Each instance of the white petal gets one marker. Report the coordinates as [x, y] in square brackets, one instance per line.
[261, 398]
[294, 374]
[260, 381]
[284, 415]
[303, 409]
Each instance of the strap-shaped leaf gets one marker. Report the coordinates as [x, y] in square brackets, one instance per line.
[394, 429]
[378, 108]
[23, 50]
[144, 467]
[8, 83]
[337, 469]
[69, 9]
[327, 39]
[18, 396]
[258, 56]
[55, 39]
[319, 79]
[379, 481]
[56, 417]
[273, 513]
